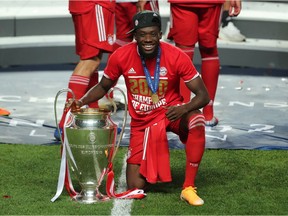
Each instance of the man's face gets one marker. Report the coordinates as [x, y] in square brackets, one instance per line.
[148, 41]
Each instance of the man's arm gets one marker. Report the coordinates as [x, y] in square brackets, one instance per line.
[94, 94]
[140, 5]
[200, 99]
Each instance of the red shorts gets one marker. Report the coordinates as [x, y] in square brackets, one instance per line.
[94, 32]
[124, 17]
[135, 151]
[190, 25]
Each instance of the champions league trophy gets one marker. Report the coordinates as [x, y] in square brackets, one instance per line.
[89, 147]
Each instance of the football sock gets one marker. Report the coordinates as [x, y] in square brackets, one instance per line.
[188, 51]
[78, 84]
[194, 148]
[210, 69]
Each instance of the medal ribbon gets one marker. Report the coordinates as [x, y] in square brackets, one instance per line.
[153, 85]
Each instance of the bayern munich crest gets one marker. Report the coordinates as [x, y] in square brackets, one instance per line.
[163, 71]
[110, 39]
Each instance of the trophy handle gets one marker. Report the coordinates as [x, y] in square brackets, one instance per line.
[55, 106]
[124, 118]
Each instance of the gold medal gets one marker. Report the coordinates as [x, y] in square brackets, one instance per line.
[155, 98]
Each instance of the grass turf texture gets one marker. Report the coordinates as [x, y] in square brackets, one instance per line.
[231, 182]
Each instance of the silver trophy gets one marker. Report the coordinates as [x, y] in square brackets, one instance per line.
[91, 144]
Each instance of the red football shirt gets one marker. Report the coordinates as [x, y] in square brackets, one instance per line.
[174, 64]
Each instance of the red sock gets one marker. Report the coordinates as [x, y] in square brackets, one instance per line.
[210, 72]
[93, 81]
[78, 84]
[184, 91]
[195, 146]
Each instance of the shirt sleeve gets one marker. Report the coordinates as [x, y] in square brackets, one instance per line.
[112, 70]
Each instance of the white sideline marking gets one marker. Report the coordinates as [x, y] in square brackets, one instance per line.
[122, 206]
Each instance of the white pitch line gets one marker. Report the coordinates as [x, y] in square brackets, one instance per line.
[122, 206]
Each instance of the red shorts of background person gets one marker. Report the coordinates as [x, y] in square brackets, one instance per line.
[94, 31]
[202, 28]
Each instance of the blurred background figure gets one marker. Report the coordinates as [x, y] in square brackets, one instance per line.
[197, 21]
[94, 35]
[125, 10]
[228, 30]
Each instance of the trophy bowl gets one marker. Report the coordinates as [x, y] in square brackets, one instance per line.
[91, 146]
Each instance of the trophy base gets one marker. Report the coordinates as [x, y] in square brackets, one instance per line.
[86, 199]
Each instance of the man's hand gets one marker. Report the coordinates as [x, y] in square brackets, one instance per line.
[140, 5]
[175, 112]
[235, 7]
[74, 105]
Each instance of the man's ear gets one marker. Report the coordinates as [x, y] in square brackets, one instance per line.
[160, 34]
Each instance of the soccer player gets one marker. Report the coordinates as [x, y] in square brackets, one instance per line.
[125, 10]
[198, 21]
[94, 32]
[152, 71]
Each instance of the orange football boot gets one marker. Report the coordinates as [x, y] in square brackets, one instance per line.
[4, 112]
[189, 194]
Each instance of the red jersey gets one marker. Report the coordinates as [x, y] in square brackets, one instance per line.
[83, 6]
[174, 64]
